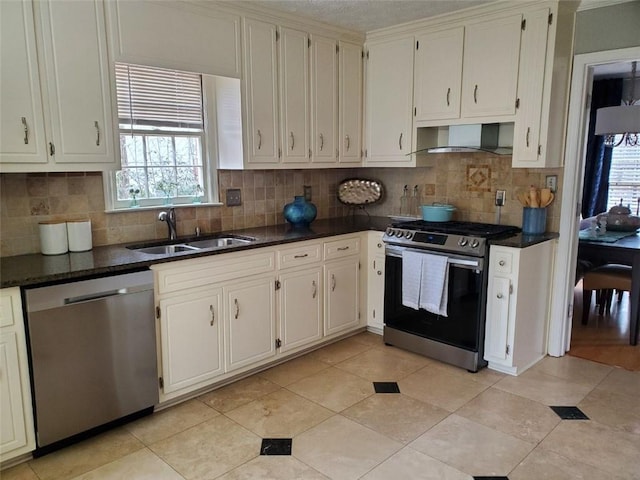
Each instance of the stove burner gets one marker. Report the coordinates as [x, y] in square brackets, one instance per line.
[484, 230]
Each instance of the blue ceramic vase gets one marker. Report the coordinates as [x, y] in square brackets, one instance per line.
[300, 212]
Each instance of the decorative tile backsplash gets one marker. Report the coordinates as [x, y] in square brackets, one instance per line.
[468, 181]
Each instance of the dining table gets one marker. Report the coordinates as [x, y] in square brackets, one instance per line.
[621, 248]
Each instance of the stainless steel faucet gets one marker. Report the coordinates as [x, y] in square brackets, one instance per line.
[170, 217]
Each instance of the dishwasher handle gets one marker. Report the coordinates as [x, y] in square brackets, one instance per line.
[91, 297]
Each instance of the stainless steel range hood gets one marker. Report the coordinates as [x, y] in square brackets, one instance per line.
[473, 138]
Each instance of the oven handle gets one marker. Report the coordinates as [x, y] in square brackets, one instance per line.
[465, 262]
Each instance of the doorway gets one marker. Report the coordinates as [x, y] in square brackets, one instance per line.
[560, 327]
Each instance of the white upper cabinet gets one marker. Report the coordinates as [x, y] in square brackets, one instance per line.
[75, 86]
[350, 103]
[324, 99]
[22, 134]
[389, 108]
[294, 95]
[490, 66]
[261, 92]
[438, 74]
[174, 35]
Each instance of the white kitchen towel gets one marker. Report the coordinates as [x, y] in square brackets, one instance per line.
[411, 273]
[434, 291]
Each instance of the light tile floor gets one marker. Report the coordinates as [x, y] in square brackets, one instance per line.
[446, 424]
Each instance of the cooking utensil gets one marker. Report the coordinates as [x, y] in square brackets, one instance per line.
[524, 200]
[437, 212]
[534, 197]
[546, 197]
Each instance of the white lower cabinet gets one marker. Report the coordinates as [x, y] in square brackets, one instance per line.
[341, 298]
[250, 321]
[17, 434]
[191, 334]
[518, 306]
[375, 282]
[300, 302]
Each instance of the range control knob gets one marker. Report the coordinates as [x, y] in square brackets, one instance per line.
[409, 235]
[463, 242]
[390, 232]
[475, 243]
[401, 233]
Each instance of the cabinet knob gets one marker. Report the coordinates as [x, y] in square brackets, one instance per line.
[502, 263]
[379, 272]
[379, 245]
[498, 295]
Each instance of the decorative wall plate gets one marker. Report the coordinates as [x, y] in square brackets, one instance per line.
[360, 191]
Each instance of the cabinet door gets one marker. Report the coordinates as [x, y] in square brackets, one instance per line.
[350, 136]
[261, 87]
[490, 80]
[190, 330]
[294, 95]
[78, 82]
[300, 304]
[375, 293]
[250, 317]
[324, 99]
[22, 135]
[341, 295]
[13, 431]
[438, 74]
[389, 102]
[497, 327]
[527, 148]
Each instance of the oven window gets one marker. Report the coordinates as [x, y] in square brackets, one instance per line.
[465, 306]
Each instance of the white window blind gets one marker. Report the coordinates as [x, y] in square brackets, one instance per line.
[624, 176]
[157, 97]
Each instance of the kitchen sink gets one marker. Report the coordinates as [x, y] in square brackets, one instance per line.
[197, 244]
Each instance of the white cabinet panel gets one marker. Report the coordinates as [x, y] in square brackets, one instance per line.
[22, 134]
[294, 95]
[490, 79]
[261, 87]
[389, 110]
[350, 103]
[341, 295]
[300, 303]
[250, 312]
[498, 318]
[191, 339]
[438, 74]
[324, 99]
[176, 36]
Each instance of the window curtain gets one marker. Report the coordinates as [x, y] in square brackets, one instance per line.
[606, 93]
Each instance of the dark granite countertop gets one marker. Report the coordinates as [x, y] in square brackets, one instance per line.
[523, 241]
[36, 269]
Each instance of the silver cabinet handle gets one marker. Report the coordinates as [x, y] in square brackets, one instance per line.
[342, 249]
[301, 256]
[293, 140]
[52, 149]
[475, 94]
[448, 94]
[400, 141]
[333, 282]
[97, 125]
[213, 315]
[348, 140]
[315, 289]
[235, 300]
[499, 295]
[259, 139]
[26, 130]
[321, 142]
[528, 132]
[502, 263]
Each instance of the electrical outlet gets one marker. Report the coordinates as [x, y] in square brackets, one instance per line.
[307, 192]
[500, 198]
[552, 182]
[234, 197]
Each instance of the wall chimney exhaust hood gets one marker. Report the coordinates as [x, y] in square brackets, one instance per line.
[473, 138]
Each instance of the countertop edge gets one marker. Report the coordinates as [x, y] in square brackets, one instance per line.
[523, 241]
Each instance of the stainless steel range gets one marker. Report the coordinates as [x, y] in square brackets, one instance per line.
[455, 334]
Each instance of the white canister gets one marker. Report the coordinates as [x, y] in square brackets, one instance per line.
[79, 233]
[53, 238]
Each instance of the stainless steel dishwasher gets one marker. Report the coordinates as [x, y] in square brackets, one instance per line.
[93, 353]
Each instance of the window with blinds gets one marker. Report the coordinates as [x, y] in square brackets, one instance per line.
[162, 137]
[624, 177]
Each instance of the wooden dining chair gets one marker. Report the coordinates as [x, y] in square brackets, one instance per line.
[604, 280]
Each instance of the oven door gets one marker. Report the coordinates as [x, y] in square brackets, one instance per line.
[463, 326]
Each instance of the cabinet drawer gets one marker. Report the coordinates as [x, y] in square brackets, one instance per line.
[205, 271]
[300, 254]
[502, 262]
[341, 248]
